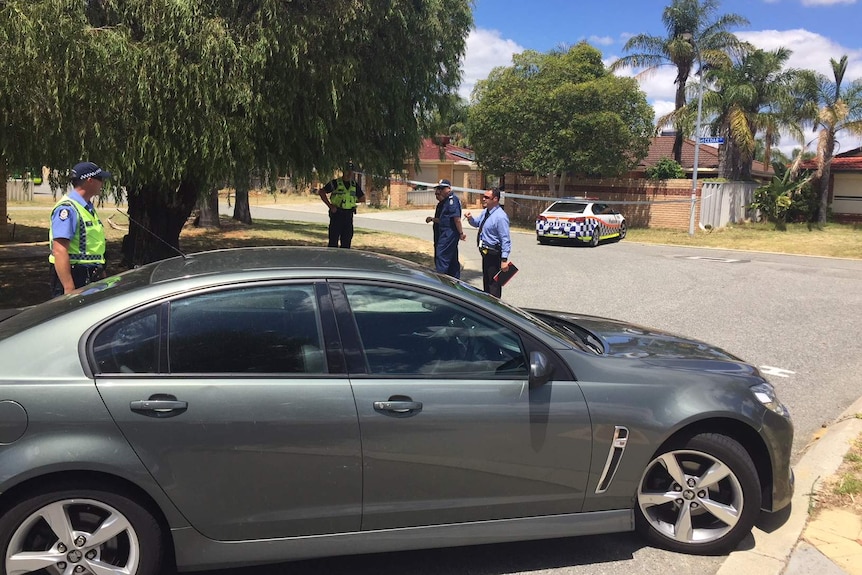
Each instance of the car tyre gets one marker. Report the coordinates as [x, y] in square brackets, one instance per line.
[594, 239]
[80, 526]
[700, 496]
[543, 240]
[623, 231]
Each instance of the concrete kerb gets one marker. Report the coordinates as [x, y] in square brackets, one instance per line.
[773, 549]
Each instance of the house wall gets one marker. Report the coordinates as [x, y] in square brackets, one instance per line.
[668, 203]
[847, 194]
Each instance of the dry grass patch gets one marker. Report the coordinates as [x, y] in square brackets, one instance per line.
[844, 489]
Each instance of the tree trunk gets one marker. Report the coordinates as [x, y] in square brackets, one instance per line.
[241, 208]
[4, 177]
[208, 208]
[678, 136]
[825, 172]
[157, 217]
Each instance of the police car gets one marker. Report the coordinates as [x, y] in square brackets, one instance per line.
[581, 219]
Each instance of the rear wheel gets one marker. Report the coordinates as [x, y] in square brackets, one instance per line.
[84, 531]
[699, 496]
[543, 240]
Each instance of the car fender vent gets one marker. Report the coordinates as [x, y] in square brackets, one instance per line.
[615, 455]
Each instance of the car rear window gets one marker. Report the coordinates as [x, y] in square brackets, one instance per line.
[568, 207]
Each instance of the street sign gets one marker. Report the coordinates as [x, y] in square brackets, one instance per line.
[712, 140]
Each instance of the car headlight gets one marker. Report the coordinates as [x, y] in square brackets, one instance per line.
[765, 394]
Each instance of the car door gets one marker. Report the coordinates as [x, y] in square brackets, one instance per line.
[228, 398]
[450, 430]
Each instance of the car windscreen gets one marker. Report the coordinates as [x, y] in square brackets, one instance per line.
[81, 297]
[568, 207]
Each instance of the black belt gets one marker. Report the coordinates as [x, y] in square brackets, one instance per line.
[486, 251]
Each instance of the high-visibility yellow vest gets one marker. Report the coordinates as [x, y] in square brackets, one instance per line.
[343, 196]
[87, 245]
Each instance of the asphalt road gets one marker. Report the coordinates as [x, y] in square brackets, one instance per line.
[798, 318]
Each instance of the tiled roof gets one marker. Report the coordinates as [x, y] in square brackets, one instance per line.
[850, 161]
[707, 157]
[430, 152]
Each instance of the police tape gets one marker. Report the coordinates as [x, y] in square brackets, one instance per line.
[505, 195]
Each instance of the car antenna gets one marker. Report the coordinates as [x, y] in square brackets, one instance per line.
[143, 227]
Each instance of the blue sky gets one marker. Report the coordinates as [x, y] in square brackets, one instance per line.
[815, 30]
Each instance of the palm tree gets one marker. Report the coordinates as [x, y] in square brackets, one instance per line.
[692, 30]
[754, 95]
[831, 108]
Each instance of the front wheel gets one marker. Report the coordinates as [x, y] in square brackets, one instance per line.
[623, 231]
[700, 496]
[594, 239]
[84, 531]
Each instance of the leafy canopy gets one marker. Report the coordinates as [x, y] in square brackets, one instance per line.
[559, 112]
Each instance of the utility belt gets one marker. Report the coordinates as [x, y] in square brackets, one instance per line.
[485, 250]
[83, 274]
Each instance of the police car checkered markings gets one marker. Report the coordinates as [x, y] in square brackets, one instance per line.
[776, 371]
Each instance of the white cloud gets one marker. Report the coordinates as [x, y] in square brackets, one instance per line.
[601, 40]
[486, 50]
[826, 2]
[810, 51]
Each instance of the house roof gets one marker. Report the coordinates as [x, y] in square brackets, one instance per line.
[849, 161]
[430, 152]
[707, 156]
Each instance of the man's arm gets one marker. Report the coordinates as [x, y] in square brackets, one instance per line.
[323, 193]
[62, 265]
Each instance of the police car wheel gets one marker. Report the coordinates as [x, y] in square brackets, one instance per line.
[594, 239]
[543, 240]
[623, 230]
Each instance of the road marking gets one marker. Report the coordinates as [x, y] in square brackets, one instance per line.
[776, 371]
[711, 259]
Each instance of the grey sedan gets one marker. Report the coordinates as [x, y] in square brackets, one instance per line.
[259, 405]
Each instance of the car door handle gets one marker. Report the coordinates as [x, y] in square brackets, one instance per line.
[399, 407]
[159, 406]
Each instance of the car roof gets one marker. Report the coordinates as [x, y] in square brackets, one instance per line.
[300, 259]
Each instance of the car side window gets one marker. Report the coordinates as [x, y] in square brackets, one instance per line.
[414, 333]
[266, 329]
[129, 345]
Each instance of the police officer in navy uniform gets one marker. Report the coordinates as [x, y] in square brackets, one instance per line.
[344, 193]
[449, 221]
[77, 238]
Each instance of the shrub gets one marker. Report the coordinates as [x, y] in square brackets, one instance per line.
[665, 169]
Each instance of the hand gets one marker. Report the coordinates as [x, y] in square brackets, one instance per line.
[429, 219]
[468, 215]
[463, 236]
[333, 209]
[504, 266]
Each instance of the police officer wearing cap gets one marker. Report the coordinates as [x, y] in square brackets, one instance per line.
[77, 237]
[344, 193]
[450, 231]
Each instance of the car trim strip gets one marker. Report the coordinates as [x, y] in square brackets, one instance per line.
[615, 455]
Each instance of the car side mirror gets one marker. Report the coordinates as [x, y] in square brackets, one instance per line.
[540, 369]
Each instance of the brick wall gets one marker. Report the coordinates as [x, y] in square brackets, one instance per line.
[655, 214]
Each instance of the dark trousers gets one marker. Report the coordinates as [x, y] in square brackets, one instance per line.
[340, 228]
[491, 262]
[81, 275]
[446, 254]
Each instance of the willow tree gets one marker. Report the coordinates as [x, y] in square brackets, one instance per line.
[193, 93]
[558, 113]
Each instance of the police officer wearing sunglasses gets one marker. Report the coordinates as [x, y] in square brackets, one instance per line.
[494, 240]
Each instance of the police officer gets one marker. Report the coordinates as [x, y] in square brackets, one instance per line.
[77, 237]
[344, 193]
[451, 232]
[493, 239]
